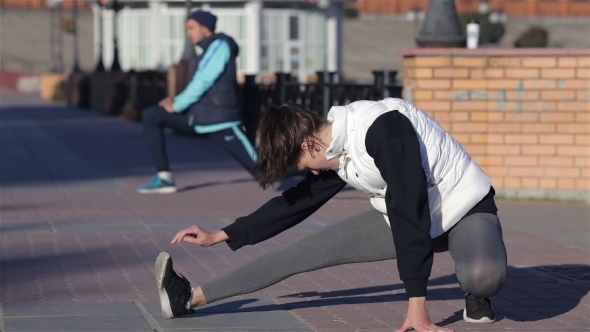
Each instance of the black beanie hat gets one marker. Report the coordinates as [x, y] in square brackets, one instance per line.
[204, 18]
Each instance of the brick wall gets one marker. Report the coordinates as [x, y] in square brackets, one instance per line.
[41, 4]
[523, 114]
[510, 7]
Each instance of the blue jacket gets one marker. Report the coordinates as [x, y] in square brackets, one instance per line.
[211, 95]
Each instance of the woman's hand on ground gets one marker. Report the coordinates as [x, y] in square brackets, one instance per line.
[199, 236]
[417, 318]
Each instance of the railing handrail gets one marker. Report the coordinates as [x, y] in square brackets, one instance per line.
[130, 92]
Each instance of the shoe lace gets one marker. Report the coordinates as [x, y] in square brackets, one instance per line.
[480, 301]
[184, 284]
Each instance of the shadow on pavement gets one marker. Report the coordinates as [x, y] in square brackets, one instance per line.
[211, 184]
[533, 288]
[53, 145]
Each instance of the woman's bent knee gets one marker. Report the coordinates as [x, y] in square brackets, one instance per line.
[483, 279]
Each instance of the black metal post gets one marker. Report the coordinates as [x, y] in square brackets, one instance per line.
[51, 37]
[281, 86]
[53, 59]
[189, 49]
[441, 27]
[379, 83]
[60, 37]
[250, 106]
[325, 5]
[76, 68]
[326, 90]
[100, 63]
[116, 66]
[386, 82]
[334, 77]
[393, 89]
[324, 83]
[392, 76]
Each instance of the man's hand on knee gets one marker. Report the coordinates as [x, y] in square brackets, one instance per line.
[168, 101]
[167, 104]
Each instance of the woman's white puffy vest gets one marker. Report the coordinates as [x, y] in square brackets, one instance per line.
[455, 181]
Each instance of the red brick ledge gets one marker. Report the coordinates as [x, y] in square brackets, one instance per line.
[494, 51]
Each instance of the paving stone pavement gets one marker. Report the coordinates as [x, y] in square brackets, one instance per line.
[78, 244]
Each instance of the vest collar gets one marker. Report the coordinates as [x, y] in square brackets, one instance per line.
[337, 116]
[204, 44]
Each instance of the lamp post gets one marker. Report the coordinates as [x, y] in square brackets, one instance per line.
[56, 59]
[325, 4]
[76, 68]
[100, 63]
[116, 66]
[441, 26]
[189, 49]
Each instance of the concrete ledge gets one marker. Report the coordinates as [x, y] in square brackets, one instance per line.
[544, 194]
[50, 86]
[494, 51]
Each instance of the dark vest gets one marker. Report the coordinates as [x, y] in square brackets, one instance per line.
[220, 103]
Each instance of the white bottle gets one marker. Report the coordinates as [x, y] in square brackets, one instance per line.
[472, 34]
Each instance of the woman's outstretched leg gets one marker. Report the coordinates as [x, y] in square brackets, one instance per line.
[364, 237]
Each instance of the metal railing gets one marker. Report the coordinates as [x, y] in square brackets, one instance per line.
[256, 97]
[128, 93]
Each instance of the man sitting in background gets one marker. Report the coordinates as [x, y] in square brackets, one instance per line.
[208, 105]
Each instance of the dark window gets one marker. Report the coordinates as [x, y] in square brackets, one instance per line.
[294, 28]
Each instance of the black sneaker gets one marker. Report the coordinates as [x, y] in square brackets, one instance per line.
[478, 310]
[175, 291]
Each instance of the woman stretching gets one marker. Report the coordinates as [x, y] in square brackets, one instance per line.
[428, 196]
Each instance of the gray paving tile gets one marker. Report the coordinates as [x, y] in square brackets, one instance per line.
[77, 323]
[49, 309]
[560, 221]
[309, 225]
[75, 226]
[20, 226]
[74, 316]
[175, 225]
[231, 315]
[95, 184]
[98, 226]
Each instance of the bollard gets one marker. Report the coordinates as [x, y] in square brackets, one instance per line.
[250, 106]
[379, 84]
[441, 27]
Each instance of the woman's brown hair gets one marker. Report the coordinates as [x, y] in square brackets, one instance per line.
[281, 132]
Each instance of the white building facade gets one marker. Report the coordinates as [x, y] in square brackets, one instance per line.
[274, 36]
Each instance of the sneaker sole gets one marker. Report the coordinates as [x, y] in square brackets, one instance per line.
[161, 261]
[163, 190]
[483, 320]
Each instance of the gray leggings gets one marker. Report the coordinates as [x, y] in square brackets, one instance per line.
[475, 244]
